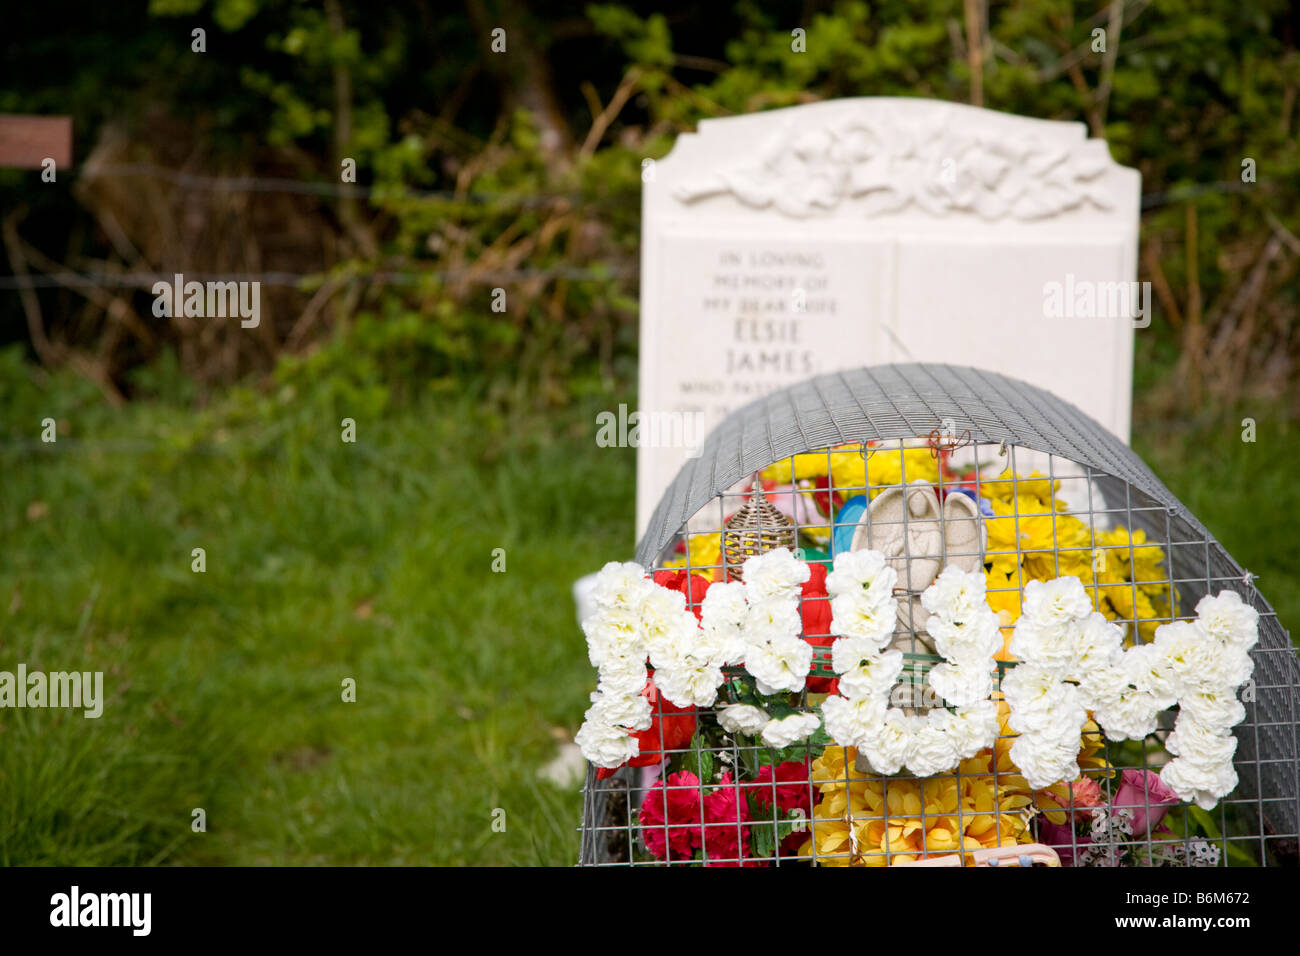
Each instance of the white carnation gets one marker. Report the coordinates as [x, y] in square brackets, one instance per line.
[630, 711]
[689, 681]
[778, 734]
[1132, 716]
[605, 745]
[1226, 618]
[742, 719]
[773, 619]
[1051, 645]
[1190, 654]
[621, 586]
[974, 728]
[1213, 708]
[872, 676]
[1202, 785]
[887, 743]
[853, 723]
[724, 605]
[1202, 746]
[781, 665]
[774, 574]
[859, 615]
[962, 685]
[613, 633]
[972, 641]
[854, 571]
[622, 675]
[1045, 760]
[1151, 673]
[1100, 644]
[932, 748]
[955, 594]
[1056, 602]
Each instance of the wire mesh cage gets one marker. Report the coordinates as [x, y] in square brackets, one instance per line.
[942, 474]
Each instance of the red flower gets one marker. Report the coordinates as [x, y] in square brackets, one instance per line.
[792, 788]
[671, 818]
[815, 609]
[675, 724]
[823, 495]
[726, 838]
[677, 820]
[693, 585]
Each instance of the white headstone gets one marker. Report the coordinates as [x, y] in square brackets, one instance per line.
[780, 245]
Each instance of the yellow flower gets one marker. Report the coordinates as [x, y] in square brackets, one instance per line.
[866, 820]
[705, 553]
[1033, 537]
[851, 473]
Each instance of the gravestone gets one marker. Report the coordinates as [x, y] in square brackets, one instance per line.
[780, 245]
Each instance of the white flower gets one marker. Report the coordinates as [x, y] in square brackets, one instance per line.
[849, 652]
[774, 574]
[932, 748]
[1103, 686]
[724, 605]
[629, 711]
[613, 633]
[1214, 707]
[622, 675]
[853, 723]
[665, 623]
[961, 686]
[1038, 699]
[778, 734]
[605, 745]
[872, 676]
[972, 641]
[621, 586]
[1100, 644]
[860, 615]
[1202, 785]
[770, 620]
[1046, 759]
[742, 719]
[690, 682]
[1226, 618]
[1190, 654]
[974, 728]
[955, 594]
[886, 745]
[854, 571]
[1132, 716]
[1053, 645]
[780, 665]
[725, 646]
[1151, 673]
[1201, 746]
[1056, 602]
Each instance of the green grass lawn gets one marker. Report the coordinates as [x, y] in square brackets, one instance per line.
[371, 561]
[325, 561]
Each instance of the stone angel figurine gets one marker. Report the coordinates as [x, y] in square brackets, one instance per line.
[919, 537]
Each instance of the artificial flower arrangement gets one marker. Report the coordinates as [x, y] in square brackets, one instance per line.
[764, 709]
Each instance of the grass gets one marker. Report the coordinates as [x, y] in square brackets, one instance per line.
[370, 561]
[324, 561]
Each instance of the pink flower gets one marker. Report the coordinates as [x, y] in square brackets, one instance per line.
[1086, 793]
[1143, 792]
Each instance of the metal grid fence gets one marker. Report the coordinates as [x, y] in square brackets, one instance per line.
[994, 432]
